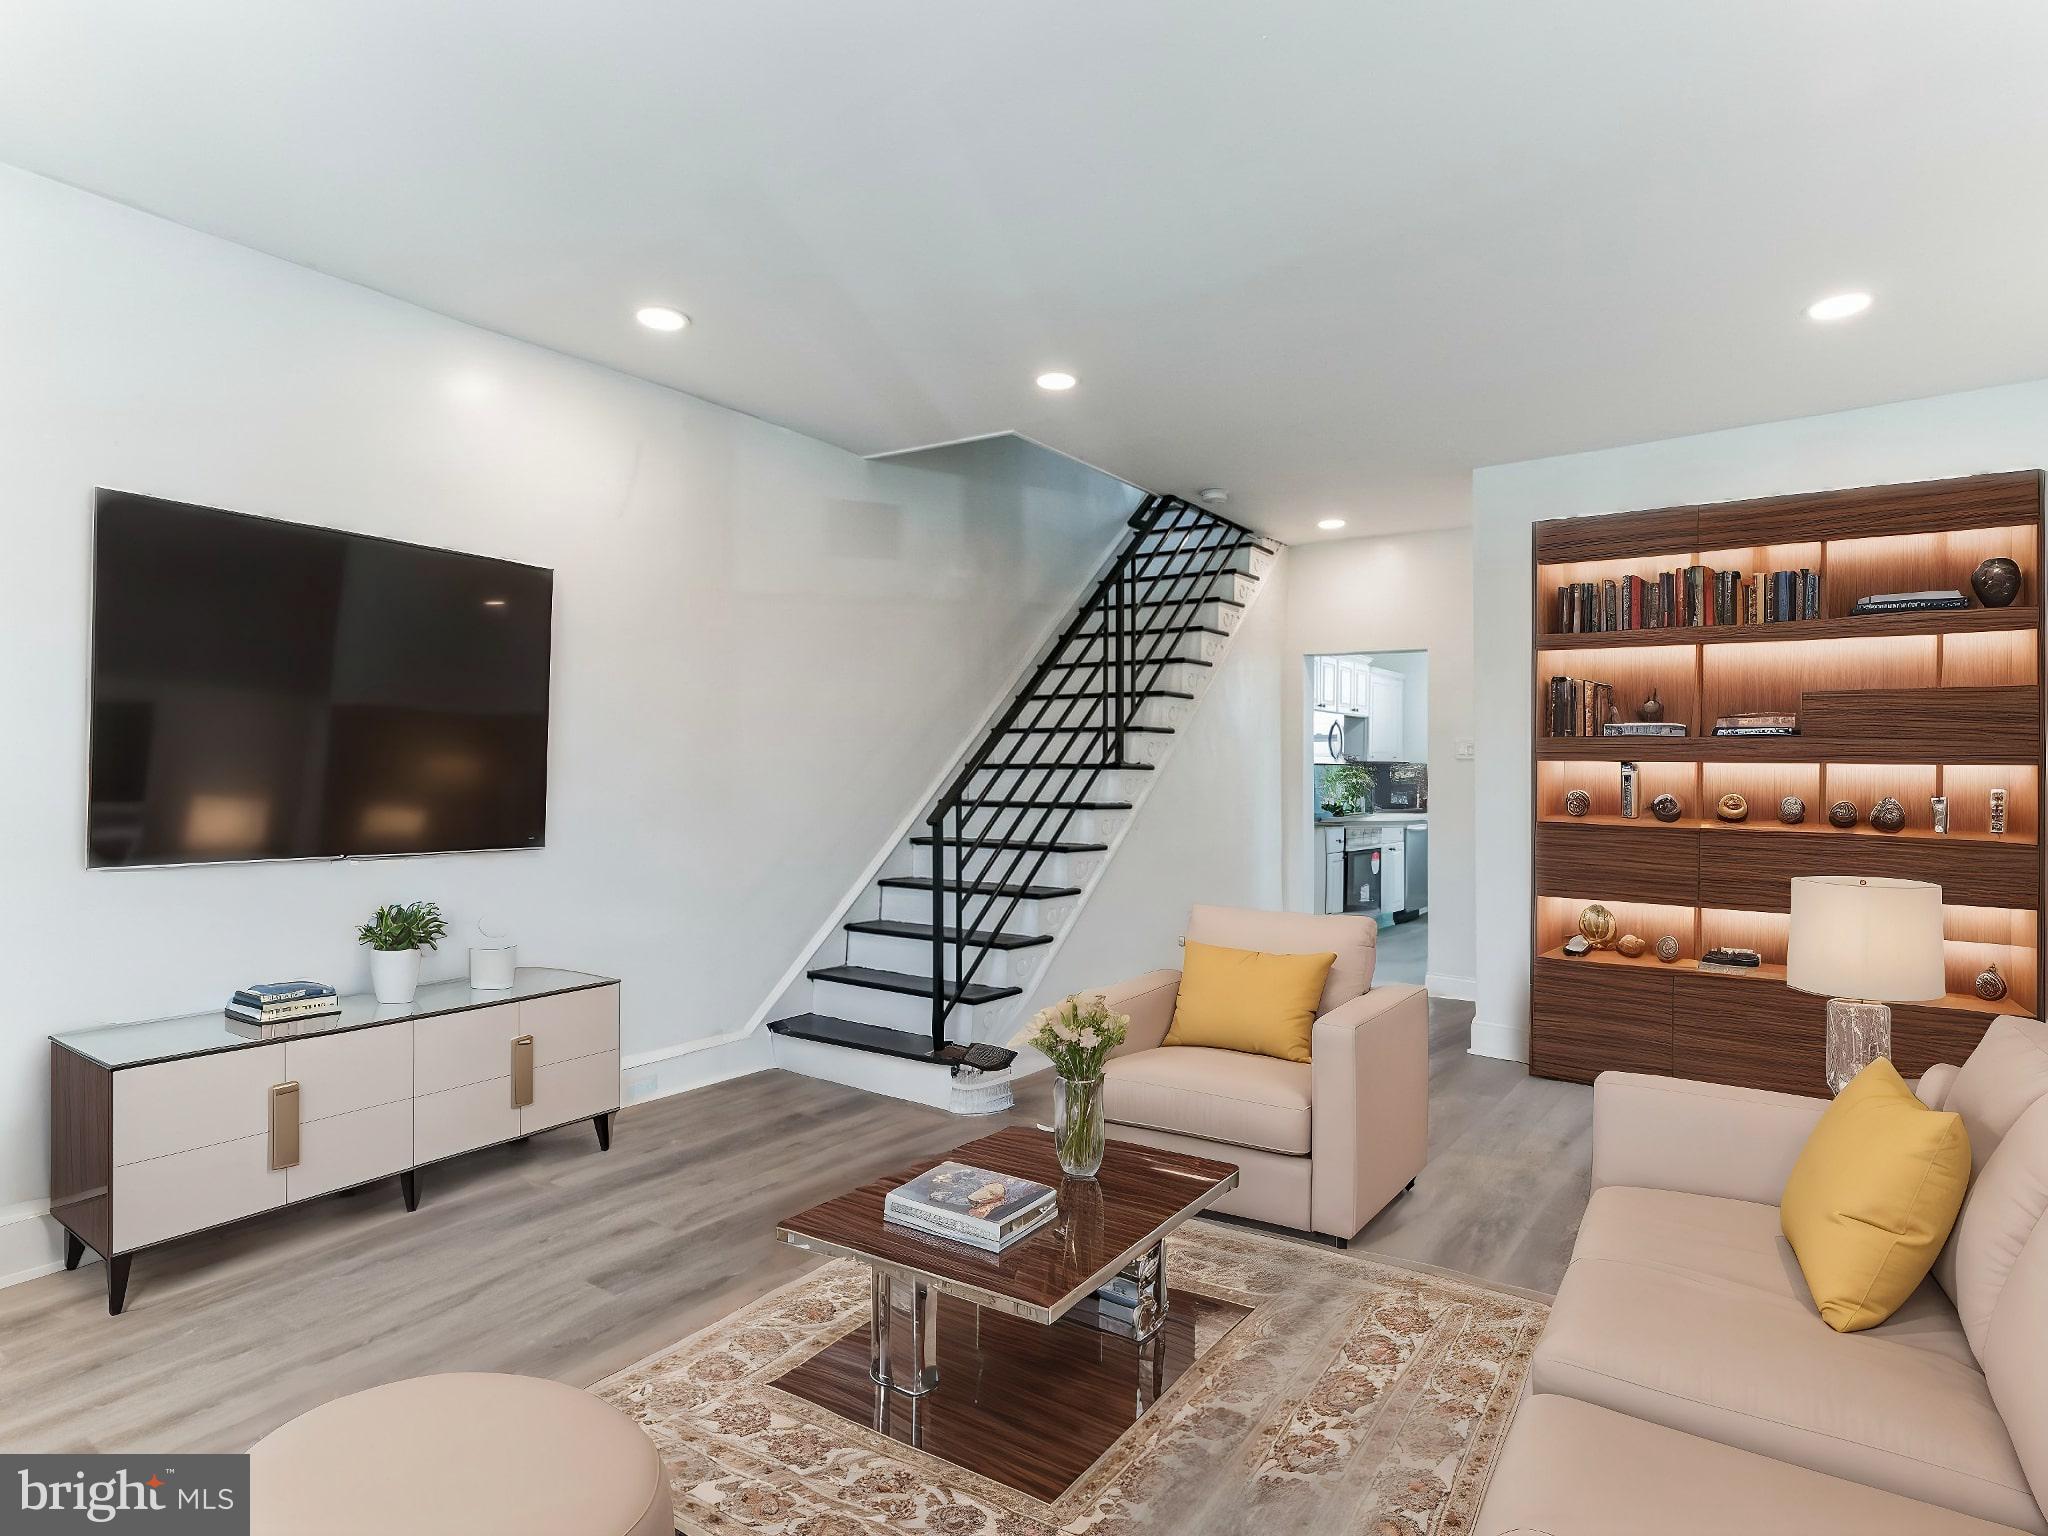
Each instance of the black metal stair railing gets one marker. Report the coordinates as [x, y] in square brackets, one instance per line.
[1167, 570]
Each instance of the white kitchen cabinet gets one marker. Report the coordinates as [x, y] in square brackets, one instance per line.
[1324, 675]
[1386, 705]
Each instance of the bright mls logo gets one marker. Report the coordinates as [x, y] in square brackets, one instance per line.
[175, 1496]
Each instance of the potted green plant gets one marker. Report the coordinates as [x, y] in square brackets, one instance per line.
[1077, 1034]
[395, 936]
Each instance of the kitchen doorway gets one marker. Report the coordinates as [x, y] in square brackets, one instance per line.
[1369, 805]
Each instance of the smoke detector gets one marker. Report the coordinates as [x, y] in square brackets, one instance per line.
[1212, 493]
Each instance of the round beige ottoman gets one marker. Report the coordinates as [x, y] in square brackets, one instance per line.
[451, 1455]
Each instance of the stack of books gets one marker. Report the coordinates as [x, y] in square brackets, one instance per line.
[268, 1006]
[1691, 597]
[974, 1206]
[1127, 1299]
[1730, 960]
[1909, 602]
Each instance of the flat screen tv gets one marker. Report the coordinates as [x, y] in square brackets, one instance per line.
[265, 690]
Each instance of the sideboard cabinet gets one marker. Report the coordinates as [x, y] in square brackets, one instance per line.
[166, 1128]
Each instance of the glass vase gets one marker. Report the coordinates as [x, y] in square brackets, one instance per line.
[1077, 1125]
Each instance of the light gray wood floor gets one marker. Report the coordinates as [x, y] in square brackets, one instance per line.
[552, 1259]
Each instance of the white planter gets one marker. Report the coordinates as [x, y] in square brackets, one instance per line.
[394, 974]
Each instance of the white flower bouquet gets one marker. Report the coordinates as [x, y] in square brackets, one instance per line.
[1076, 1034]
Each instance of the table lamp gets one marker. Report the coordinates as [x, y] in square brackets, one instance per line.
[1861, 944]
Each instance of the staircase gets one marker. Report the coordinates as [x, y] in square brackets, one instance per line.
[935, 957]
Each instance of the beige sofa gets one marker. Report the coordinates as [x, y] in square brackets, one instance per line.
[1686, 1384]
[1321, 1146]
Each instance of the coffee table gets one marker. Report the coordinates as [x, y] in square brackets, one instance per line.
[1120, 1218]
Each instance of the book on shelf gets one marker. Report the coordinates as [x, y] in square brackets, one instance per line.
[1730, 961]
[975, 1205]
[1577, 706]
[1690, 597]
[1762, 723]
[1643, 728]
[1909, 602]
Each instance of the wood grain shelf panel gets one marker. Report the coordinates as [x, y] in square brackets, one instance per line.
[1928, 746]
[1959, 621]
[1687, 969]
[1914, 705]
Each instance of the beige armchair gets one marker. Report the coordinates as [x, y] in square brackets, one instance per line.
[1322, 1145]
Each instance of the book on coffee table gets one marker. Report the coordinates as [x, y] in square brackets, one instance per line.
[972, 1205]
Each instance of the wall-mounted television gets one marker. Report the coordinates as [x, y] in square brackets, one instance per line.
[266, 690]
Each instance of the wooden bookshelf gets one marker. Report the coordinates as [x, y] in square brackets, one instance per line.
[1912, 705]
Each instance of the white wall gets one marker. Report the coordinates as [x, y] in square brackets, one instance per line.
[764, 646]
[1208, 831]
[1964, 434]
[1409, 591]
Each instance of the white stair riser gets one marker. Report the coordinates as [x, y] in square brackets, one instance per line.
[1011, 866]
[913, 957]
[910, 905]
[1197, 645]
[1172, 613]
[1171, 675]
[1169, 713]
[1077, 827]
[1034, 784]
[902, 1010]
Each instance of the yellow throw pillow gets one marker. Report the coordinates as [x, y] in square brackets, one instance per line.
[1872, 1197]
[1246, 1000]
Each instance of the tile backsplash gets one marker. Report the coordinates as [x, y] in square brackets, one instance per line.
[1348, 789]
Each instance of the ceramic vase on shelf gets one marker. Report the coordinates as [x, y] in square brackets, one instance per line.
[1077, 1125]
[394, 974]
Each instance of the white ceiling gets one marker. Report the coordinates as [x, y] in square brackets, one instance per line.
[1330, 256]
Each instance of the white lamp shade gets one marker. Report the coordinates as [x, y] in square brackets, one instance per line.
[1866, 938]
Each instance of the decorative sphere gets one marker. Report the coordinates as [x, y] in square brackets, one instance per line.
[1667, 948]
[1577, 802]
[1666, 808]
[1598, 925]
[1990, 985]
[1630, 944]
[1887, 815]
[1791, 810]
[1843, 813]
[1996, 582]
[1732, 808]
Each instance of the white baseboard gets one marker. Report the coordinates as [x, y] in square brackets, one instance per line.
[1459, 989]
[31, 1243]
[700, 1063]
[1505, 1042]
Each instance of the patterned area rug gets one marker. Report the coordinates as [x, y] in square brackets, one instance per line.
[1356, 1397]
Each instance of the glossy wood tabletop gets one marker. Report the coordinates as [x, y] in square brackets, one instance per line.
[1140, 1194]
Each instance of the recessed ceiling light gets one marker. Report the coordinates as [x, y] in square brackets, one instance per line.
[1838, 306]
[494, 602]
[1212, 493]
[1055, 381]
[1331, 524]
[659, 317]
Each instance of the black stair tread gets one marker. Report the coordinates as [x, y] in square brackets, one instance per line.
[1236, 544]
[981, 938]
[1097, 729]
[1045, 805]
[1106, 693]
[915, 986]
[1105, 767]
[1162, 661]
[880, 1041]
[1187, 600]
[1140, 579]
[856, 1036]
[1029, 845]
[1156, 629]
[980, 888]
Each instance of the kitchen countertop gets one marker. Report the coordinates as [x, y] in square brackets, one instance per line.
[1372, 818]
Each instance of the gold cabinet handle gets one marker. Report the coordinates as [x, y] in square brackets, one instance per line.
[284, 1126]
[522, 1071]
